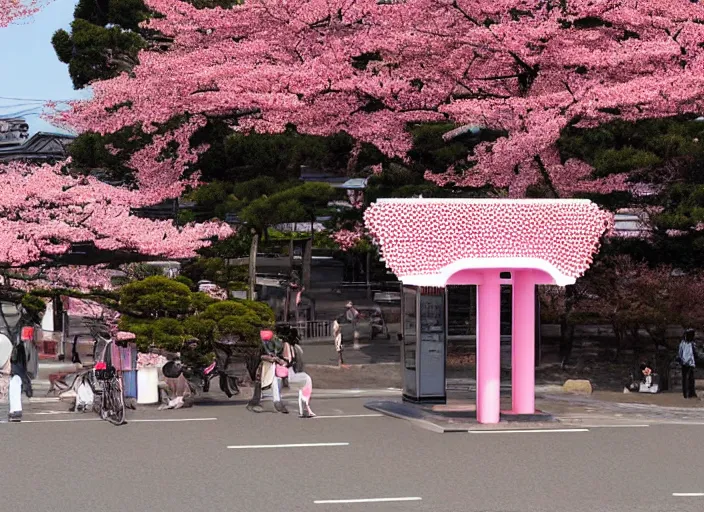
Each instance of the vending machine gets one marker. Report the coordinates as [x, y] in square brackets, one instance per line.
[423, 344]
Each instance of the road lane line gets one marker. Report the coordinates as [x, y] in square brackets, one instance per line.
[303, 445]
[615, 426]
[530, 431]
[366, 500]
[349, 416]
[73, 420]
[169, 420]
[682, 423]
[688, 494]
[48, 413]
[163, 420]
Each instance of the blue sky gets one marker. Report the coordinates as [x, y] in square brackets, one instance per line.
[29, 68]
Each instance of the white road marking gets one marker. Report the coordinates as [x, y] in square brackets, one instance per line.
[45, 413]
[162, 420]
[73, 420]
[682, 423]
[615, 426]
[688, 494]
[303, 445]
[349, 416]
[366, 500]
[170, 420]
[530, 431]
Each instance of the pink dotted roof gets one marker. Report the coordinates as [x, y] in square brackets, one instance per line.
[426, 241]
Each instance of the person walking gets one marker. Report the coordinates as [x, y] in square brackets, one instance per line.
[18, 366]
[5, 374]
[337, 333]
[297, 378]
[686, 357]
[352, 317]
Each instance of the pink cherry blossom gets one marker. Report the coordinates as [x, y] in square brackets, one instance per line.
[527, 68]
[347, 239]
[13, 10]
[43, 211]
[83, 279]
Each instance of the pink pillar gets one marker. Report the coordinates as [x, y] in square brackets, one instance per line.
[523, 343]
[489, 348]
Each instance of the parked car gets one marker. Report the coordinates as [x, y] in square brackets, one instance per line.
[371, 325]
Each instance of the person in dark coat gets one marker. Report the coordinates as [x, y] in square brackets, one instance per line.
[270, 350]
[687, 358]
[17, 381]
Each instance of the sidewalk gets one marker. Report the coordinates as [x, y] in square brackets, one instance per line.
[552, 411]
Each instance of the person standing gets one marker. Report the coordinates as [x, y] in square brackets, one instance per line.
[266, 374]
[352, 317]
[293, 357]
[686, 357]
[18, 364]
[5, 373]
[337, 333]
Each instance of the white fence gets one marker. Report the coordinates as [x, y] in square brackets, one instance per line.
[316, 330]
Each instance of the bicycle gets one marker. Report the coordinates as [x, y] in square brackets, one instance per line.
[109, 398]
[111, 406]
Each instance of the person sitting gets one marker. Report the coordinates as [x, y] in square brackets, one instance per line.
[648, 381]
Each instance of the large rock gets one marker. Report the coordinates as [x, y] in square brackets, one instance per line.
[578, 386]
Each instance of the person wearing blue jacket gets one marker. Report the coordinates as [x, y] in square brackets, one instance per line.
[687, 359]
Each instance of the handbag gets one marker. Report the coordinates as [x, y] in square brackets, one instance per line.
[281, 372]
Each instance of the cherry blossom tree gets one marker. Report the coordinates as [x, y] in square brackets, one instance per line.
[44, 211]
[348, 239]
[12, 10]
[525, 68]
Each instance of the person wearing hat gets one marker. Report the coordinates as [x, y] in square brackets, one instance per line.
[687, 359]
[5, 373]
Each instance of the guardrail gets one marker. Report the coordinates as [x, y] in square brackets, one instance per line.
[316, 330]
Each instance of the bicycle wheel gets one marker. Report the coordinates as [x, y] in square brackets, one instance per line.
[118, 399]
[113, 407]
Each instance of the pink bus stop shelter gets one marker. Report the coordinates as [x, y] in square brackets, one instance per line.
[440, 242]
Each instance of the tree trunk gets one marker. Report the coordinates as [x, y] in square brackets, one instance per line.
[290, 256]
[367, 274]
[566, 330]
[307, 263]
[618, 334]
[58, 311]
[253, 266]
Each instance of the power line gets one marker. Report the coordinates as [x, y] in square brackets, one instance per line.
[20, 113]
[15, 105]
[35, 100]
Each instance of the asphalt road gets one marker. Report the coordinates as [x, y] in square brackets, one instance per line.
[66, 462]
